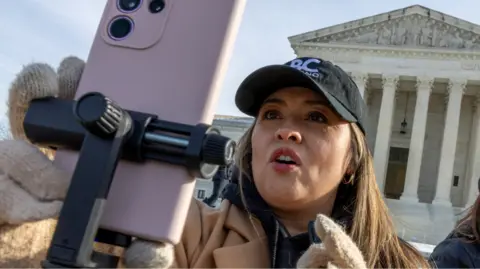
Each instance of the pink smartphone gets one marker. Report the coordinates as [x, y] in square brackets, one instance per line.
[168, 58]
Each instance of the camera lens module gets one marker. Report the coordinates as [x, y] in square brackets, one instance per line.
[120, 28]
[128, 5]
[156, 6]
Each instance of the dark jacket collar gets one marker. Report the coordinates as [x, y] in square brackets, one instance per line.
[255, 205]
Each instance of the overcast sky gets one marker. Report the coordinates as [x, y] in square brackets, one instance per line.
[48, 30]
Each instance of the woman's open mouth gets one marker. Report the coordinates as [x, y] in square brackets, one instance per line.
[284, 160]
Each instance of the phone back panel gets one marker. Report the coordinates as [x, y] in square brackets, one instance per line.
[172, 65]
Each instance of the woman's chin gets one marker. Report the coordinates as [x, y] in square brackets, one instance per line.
[282, 194]
[284, 203]
[286, 188]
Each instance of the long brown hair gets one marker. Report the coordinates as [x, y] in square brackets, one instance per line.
[468, 227]
[372, 229]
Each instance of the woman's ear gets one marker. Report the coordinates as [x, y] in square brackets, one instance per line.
[349, 169]
[352, 162]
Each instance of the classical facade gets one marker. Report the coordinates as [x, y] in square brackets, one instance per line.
[419, 73]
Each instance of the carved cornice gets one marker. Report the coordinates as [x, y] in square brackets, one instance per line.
[409, 31]
[395, 15]
[352, 53]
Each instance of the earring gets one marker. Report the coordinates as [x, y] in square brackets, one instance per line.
[348, 179]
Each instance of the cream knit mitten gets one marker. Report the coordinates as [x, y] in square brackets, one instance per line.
[32, 188]
[337, 249]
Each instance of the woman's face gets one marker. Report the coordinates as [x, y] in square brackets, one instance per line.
[300, 149]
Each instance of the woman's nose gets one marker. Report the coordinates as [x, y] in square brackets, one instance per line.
[289, 134]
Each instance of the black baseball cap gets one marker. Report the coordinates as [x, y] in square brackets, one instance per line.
[313, 73]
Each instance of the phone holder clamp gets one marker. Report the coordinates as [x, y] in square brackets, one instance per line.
[104, 133]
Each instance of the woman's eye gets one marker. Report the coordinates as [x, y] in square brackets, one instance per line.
[317, 116]
[270, 115]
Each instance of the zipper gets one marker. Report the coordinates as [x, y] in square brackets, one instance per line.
[274, 256]
[314, 239]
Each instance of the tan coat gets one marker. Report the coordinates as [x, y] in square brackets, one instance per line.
[213, 238]
[222, 238]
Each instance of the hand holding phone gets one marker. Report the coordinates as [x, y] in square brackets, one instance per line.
[131, 63]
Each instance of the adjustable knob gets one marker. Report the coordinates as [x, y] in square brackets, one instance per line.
[218, 149]
[98, 114]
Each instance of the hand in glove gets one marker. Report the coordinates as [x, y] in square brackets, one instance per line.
[32, 188]
[337, 249]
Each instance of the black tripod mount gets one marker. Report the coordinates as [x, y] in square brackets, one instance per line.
[104, 133]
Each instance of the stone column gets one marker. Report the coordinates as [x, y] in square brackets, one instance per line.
[367, 97]
[415, 153]
[473, 162]
[384, 129]
[455, 88]
[361, 79]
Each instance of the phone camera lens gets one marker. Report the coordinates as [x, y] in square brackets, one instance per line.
[156, 6]
[129, 5]
[120, 28]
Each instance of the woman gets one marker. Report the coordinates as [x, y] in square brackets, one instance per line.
[461, 248]
[306, 154]
[304, 158]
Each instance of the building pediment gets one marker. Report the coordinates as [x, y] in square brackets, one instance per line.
[414, 26]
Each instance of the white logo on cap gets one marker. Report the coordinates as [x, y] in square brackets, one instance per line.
[302, 65]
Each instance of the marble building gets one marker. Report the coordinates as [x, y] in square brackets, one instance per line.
[419, 73]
